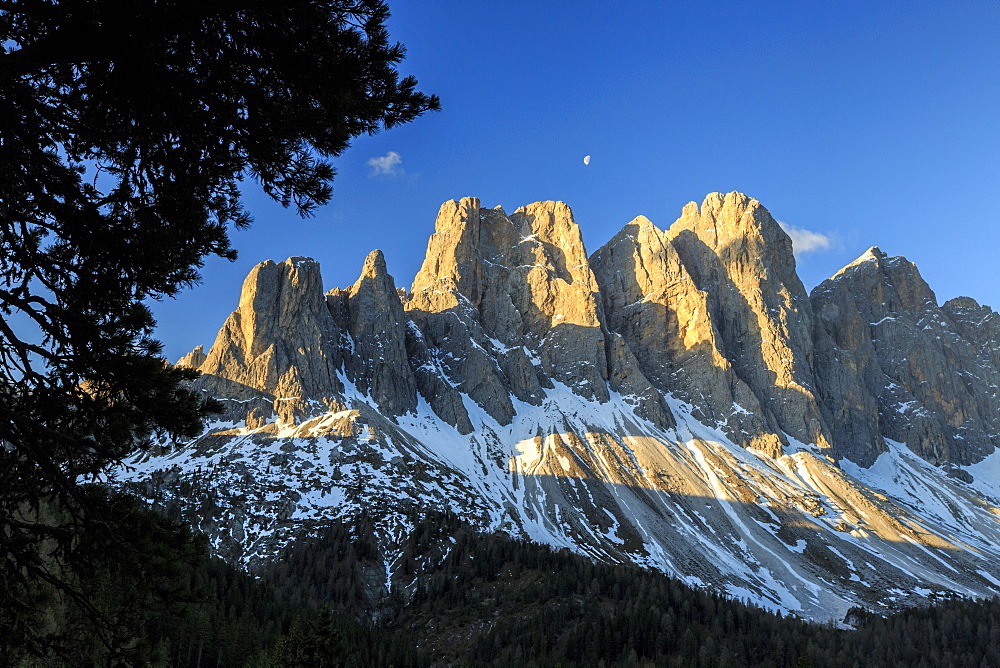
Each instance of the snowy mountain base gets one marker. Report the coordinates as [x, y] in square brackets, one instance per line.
[793, 533]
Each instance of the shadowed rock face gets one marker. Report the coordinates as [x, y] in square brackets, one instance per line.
[372, 314]
[510, 305]
[894, 364]
[979, 325]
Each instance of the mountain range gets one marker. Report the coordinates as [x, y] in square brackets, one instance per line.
[675, 399]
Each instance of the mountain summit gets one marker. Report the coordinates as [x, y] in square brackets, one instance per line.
[676, 400]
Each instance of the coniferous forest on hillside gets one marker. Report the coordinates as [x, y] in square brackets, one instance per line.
[463, 598]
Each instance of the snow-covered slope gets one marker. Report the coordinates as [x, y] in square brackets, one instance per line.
[795, 533]
[515, 388]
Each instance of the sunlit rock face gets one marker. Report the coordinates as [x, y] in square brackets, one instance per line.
[739, 255]
[675, 400]
[510, 306]
[715, 313]
[277, 354]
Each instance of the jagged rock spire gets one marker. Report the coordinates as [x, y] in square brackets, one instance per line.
[714, 311]
[710, 311]
[280, 343]
[376, 323]
[652, 301]
[193, 359]
[736, 252]
[511, 305]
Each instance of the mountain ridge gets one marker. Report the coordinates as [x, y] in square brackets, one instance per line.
[674, 399]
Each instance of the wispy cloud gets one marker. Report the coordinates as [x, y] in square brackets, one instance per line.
[806, 241]
[386, 165]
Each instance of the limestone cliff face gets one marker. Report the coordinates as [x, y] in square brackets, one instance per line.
[444, 305]
[510, 304]
[652, 301]
[371, 313]
[738, 254]
[193, 359]
[894, 364]
[507, 307]
[714, 312]
[280, 345]
[977, 324]
[550, 282]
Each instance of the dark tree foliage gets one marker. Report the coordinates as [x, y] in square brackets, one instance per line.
[309, 608]
[229, 619]
[120, 582]
[462, 598]
[126, 129]
[489, 600]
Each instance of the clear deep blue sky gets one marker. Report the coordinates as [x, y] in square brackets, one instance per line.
[870, 123]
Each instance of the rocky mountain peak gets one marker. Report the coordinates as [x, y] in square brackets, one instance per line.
[274, 294]
[886, 353]
[732, 220]
[494, 290]
[977, 323]
[193, 359]
[641, 223]
[873, 254]
[280, 343]
[709, 311]
[373, 268]
[452, 255]
[465, 237]
[549, 229]
[735, 252]
[890, 279]
[963, 304]
[549, 218]
[371, 313]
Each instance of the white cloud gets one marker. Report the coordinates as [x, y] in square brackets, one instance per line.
[806, 241]
[386, 165]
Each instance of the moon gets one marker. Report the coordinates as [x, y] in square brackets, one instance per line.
[586, 159]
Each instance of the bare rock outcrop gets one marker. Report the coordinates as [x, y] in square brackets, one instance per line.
[737, 253]
[372, 315]
[977, 324]
[444, 307]
[651, 300]
[506, 308]
[894, 364]
[432, 381]
[194, 359]
[551, 285]
[280, 345]
[625, 376]
[510, 305]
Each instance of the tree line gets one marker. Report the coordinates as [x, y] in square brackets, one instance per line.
[464, 598]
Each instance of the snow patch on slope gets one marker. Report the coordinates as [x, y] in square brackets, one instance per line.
[794, 533]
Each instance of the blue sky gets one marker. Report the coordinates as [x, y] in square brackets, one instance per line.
[869, 123]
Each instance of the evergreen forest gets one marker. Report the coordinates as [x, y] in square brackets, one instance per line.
[463, 598]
